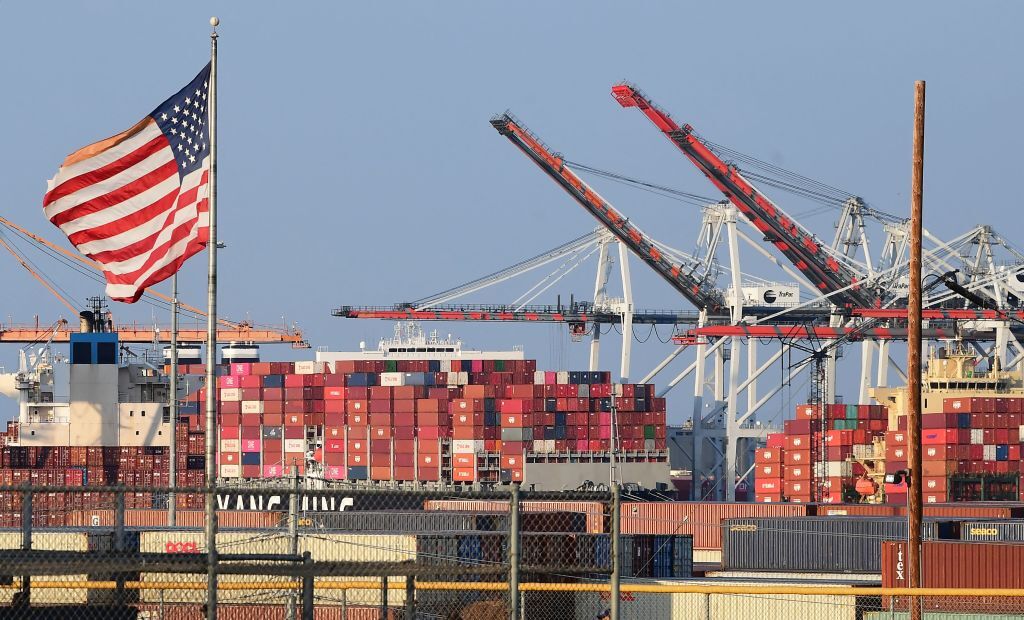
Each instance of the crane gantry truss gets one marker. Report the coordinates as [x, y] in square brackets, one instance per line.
[858, 293]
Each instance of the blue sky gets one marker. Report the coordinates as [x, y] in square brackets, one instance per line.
[357, 165]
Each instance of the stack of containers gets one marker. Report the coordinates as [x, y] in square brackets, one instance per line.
[426, 420]
[809, 462]
[769, 485]
[516, 431]
[467, 436]
[975, 441]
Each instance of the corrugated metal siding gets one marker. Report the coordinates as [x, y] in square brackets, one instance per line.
[822, 544]
[859, 510]
[702, 520]
[958, 564]
[993, 531]
[185, 518]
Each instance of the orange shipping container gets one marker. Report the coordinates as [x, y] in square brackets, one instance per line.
[702, 520]
[769, 455]
[797, 457]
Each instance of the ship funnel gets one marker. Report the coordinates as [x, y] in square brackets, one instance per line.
[87, 319]
[9, 384]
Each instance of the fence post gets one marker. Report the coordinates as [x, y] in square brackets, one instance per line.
[616, 551]
[308, 580]
[24, 598]
[119, 506]
[410, 597]
[293, 533]
[513, 555]
[383, 597]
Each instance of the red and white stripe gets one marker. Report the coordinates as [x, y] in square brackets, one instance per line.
[120, 203]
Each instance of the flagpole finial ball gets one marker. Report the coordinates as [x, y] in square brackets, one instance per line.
[214, 21]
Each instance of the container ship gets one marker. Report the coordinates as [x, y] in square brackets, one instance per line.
[971, 441]
[417, 410]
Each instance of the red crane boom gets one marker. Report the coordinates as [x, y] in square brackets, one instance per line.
[796, 243]
[698, 291]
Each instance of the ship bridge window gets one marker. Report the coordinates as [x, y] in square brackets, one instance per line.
[81, 353]
[106, 353]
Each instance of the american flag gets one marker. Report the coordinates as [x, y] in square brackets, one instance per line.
[137, 203]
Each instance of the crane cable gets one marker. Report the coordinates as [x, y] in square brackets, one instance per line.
[654, 188]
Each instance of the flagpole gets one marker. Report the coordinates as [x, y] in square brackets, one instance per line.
[211, 342]
[172, 469]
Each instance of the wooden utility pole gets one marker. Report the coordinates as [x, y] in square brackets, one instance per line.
[914, 354]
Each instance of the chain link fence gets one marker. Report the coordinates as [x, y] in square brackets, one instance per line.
[353, 553]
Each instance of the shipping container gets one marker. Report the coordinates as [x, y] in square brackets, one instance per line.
[818, 544]
[958, 565]
[702, 520]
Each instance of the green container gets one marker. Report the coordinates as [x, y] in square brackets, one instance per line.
[499, 365]
[648, 432]
[851, 412]
[390, 365]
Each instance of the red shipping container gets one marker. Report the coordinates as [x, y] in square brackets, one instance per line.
[768, 455]
[939, 452]
[429, 432]
[381, 432]
[797, 472]
[463, 460]
[797, 457]
[380, 419]
[941, 436]
[798, 488]
[380, 392]
[798, 442]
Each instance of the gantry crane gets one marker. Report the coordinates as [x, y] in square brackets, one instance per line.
[228, 331]
[803, 249]
[701, 292]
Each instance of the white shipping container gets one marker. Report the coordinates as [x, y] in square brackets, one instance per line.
[309, 368]
[252, 406]
[538, 377]
[463, 378]
[833, 469]
[977, 436]
[231, 394]
[294, 445]
[392, 379]
[230, 445]
[465, 446]
[989, 452]
[562, 378]
[230, 471]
